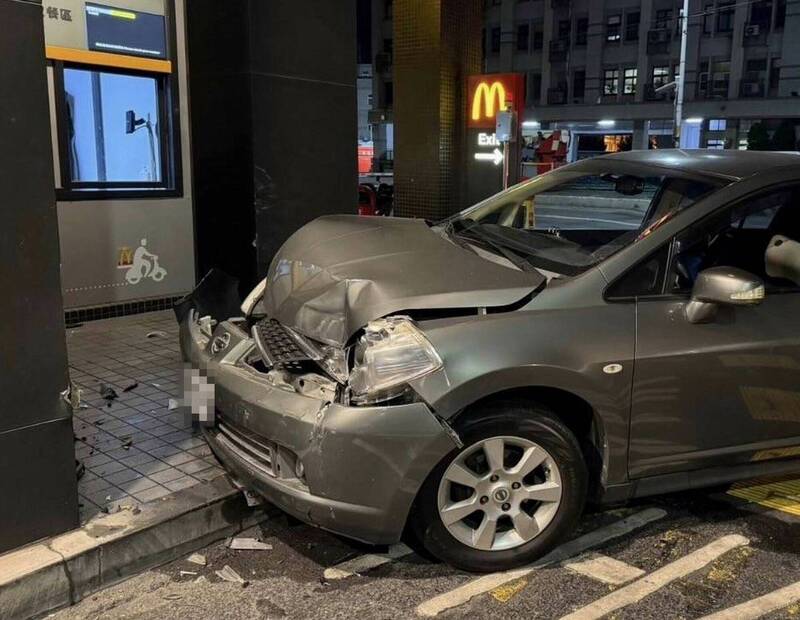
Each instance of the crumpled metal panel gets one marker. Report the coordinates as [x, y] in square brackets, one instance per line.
[339, 272]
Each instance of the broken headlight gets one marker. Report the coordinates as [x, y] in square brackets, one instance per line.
[253, 300]
[391, 353]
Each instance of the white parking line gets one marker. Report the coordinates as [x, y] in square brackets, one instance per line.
[603, 568]
[364, 563]
[636, 591]
[481, 585]
[760, 606]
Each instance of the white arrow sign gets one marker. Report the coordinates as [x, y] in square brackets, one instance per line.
[495, 156]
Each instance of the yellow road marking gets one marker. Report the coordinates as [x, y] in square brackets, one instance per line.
[782, 495]
[505, 592]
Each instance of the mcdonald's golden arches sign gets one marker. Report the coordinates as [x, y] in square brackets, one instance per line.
[491, 93]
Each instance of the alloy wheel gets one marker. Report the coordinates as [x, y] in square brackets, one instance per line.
[499, 493]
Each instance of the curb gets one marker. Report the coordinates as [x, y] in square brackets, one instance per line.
[60, 571]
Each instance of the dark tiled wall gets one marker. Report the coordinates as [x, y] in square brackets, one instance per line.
[437, 43]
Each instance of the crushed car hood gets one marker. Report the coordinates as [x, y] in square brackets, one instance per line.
[339, 272]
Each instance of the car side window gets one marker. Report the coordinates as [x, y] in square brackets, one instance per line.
[758, 234]
[646, 279]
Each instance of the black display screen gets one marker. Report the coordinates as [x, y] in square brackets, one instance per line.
[122, 31]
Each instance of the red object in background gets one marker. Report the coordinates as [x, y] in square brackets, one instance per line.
[551, 153]
[488, 94]
[367, 200]
[365, 154]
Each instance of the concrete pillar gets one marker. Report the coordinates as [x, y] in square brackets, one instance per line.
[594, 52]
[641, 135]
[643, 60]
[508, 35]
[304, 115]
[38, 494]
[437, 44]
[737, 51]
[547, 36]
[790, 54]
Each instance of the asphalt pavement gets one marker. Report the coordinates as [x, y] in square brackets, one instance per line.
[685, 555]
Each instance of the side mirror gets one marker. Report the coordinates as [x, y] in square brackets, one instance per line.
[727, 286]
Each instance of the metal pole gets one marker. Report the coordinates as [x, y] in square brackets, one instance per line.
[684, 21]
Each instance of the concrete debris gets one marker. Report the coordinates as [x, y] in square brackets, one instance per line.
[188, 572]
[249, 544]
[197, 558]
[173, 404]
[228, 574]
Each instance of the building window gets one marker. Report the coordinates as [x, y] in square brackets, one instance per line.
[523, 37]
[611, 82]
[581, 31]
[725, 12]
[663, 18]
[388, 94]
[614, 28]
[538, 37]
[535, 90]
[629, 82]
[708, 18]
[715, 143]
[660, 76]
[494, 45]
[579, 84]
[761, 13]
[564, 27]
[780, 15]
[632, 25]
[717, 124]
[115, 131]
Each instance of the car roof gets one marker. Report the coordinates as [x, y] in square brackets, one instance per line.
[729, 163]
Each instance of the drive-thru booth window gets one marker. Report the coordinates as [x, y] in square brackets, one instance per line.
[115, 102]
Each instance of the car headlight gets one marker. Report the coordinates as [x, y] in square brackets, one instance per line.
[391, 353]
[256, 295]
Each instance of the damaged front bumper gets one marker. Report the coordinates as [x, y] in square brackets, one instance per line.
[352, 470]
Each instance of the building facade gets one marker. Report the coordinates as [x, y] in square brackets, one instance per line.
[594, 68]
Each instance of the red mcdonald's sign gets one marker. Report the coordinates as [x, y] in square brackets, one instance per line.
[491, 93]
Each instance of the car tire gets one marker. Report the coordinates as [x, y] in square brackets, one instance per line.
[533, 429]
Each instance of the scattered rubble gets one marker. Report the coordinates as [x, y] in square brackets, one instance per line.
[130, 387]
[249, 544]
[197, 558]
[228, 574]
[108, 394]
[156, 334]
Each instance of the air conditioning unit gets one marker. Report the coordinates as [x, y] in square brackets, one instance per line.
[753, 30]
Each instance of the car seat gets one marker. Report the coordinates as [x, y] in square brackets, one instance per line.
[783, 259]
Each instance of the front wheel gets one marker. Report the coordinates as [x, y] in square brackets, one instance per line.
[508, 496]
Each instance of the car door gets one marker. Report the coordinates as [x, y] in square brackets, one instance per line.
[726, 391]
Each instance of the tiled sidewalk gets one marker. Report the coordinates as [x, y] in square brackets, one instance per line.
[136, 449]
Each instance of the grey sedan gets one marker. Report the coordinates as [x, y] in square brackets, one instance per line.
[623, 326]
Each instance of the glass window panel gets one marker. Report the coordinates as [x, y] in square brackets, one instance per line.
[113, 127]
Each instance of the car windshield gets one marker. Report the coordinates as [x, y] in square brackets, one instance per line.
[567, 221]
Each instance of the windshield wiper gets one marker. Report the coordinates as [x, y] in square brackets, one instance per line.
[473, 231]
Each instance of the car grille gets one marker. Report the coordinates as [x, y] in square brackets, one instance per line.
[277, 345]
[256, 451]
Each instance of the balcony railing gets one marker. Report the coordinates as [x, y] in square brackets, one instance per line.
[755, 35]
[752, 88]
[556, 96]
[658, 41]
[559, 50]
